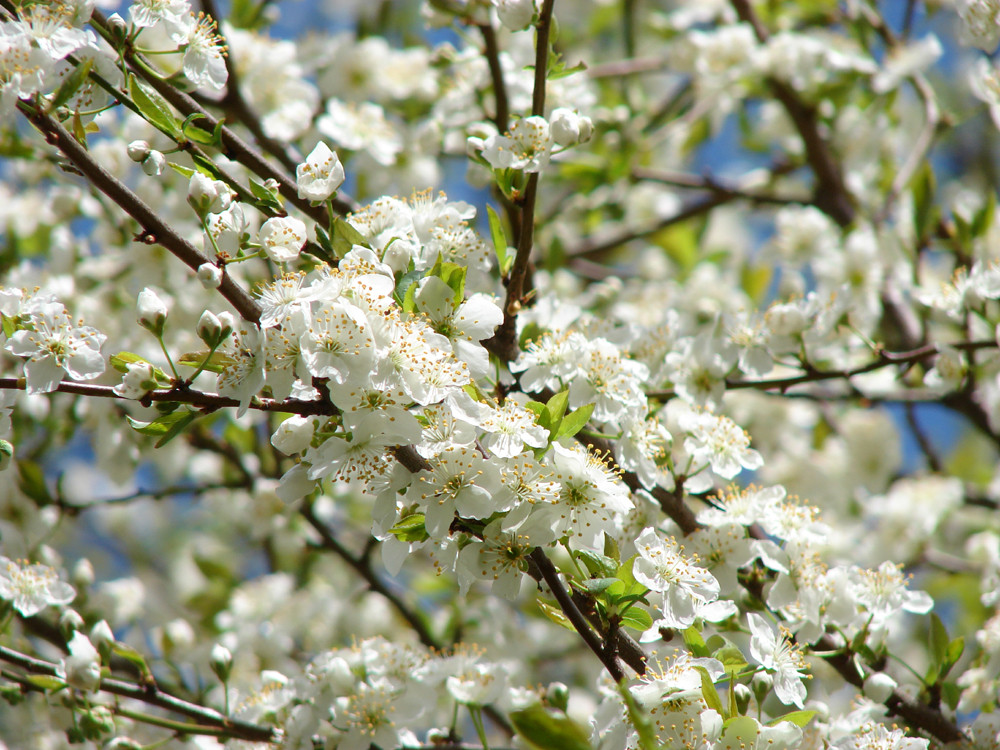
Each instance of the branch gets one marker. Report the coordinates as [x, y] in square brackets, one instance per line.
[831, 194]
[235, 102]
[153, 696]
[206, 401]
[503, 343]
[235, 146]
[154, 229]
[550, 575]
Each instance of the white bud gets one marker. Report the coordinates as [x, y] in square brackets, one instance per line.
[101, 635]
[138, 150]
[282, 238]
[569, 128]
[152, 311]
[321, 174]
[515, 15]
[878, 686]
[83, 573]
[222, 661]
[207, 195]
[210, 275]
[209, 328]
[82, 668]
[154, 164]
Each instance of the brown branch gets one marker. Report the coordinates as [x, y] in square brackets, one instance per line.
[235, 102]
[153, 227]
[501, 116]
[206, 401]
[831, 194]
[152, 695]
[235, 147]
[550, 575]
[503, 343]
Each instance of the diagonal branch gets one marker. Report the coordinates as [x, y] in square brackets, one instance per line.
[154, 228]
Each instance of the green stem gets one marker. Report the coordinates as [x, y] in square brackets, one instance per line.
[181, 727]
[477, 720]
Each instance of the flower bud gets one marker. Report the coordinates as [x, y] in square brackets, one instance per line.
[557, 695]
[210, 275]
[96, 722]
[878, 686]
[70, 621]
[515, 15]
[82, 668]
[743, 695]
[209, 328]
[152, 312]
[101, 635]
[83, 573]
[282, 238]
[138, 151]
[222, 662]
[6, 454]
[154, 164]
[207, 195]
[569, 128]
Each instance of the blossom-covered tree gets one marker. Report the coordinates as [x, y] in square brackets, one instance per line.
[679, 429]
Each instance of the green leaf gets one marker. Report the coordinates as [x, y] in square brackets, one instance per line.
[132, 656]
[597, 586]
[46, 682]
[163, 425]
[406, 290]
[545, 729]
[573, 422]
[798, 718]
[695, 643]
[924, 189]
[122, 360]
[732, 658]
[199, 135]
[71, 84]
[555, 614]
[611, 548]
[217, 362]
[187, 417]
[597, 565]
[951, 693]
[32, 482]
[637, 618]
[499, 239]
[410, 529]
[453, 275]
[709, 693]
[153, 107]
[345, 236]
[938, 644]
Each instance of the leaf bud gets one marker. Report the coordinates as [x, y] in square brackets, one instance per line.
[557, 695]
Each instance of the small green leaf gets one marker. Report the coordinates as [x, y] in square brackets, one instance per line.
[159, 426]
[611, 548]
[555, 614]
[194, 133]
[732, 658]
[122, 360]
[597, 565]
[46, 682]
[573, 422]
[132, 656]
[71, 84]
[597, 586]
[938, 641]
[709, 693]
[499, 238]
[637, 618]
[345, 236]
[32, 482]
[187, 417]
[545, 729]
[695, 643]
[217, 362]
[153, 107]
[798, 718]
[924, 189]
[410, 529]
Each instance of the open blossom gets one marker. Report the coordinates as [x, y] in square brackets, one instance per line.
[663, 568]
[54, 345]
[779, 656]
[282, 238]
[720, 442]
[320, 175]
[32, 587]
[528, 146]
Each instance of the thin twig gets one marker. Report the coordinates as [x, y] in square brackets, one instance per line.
[154, 228]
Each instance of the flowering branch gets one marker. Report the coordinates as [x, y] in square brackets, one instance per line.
[146, 693]
[154, 228]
